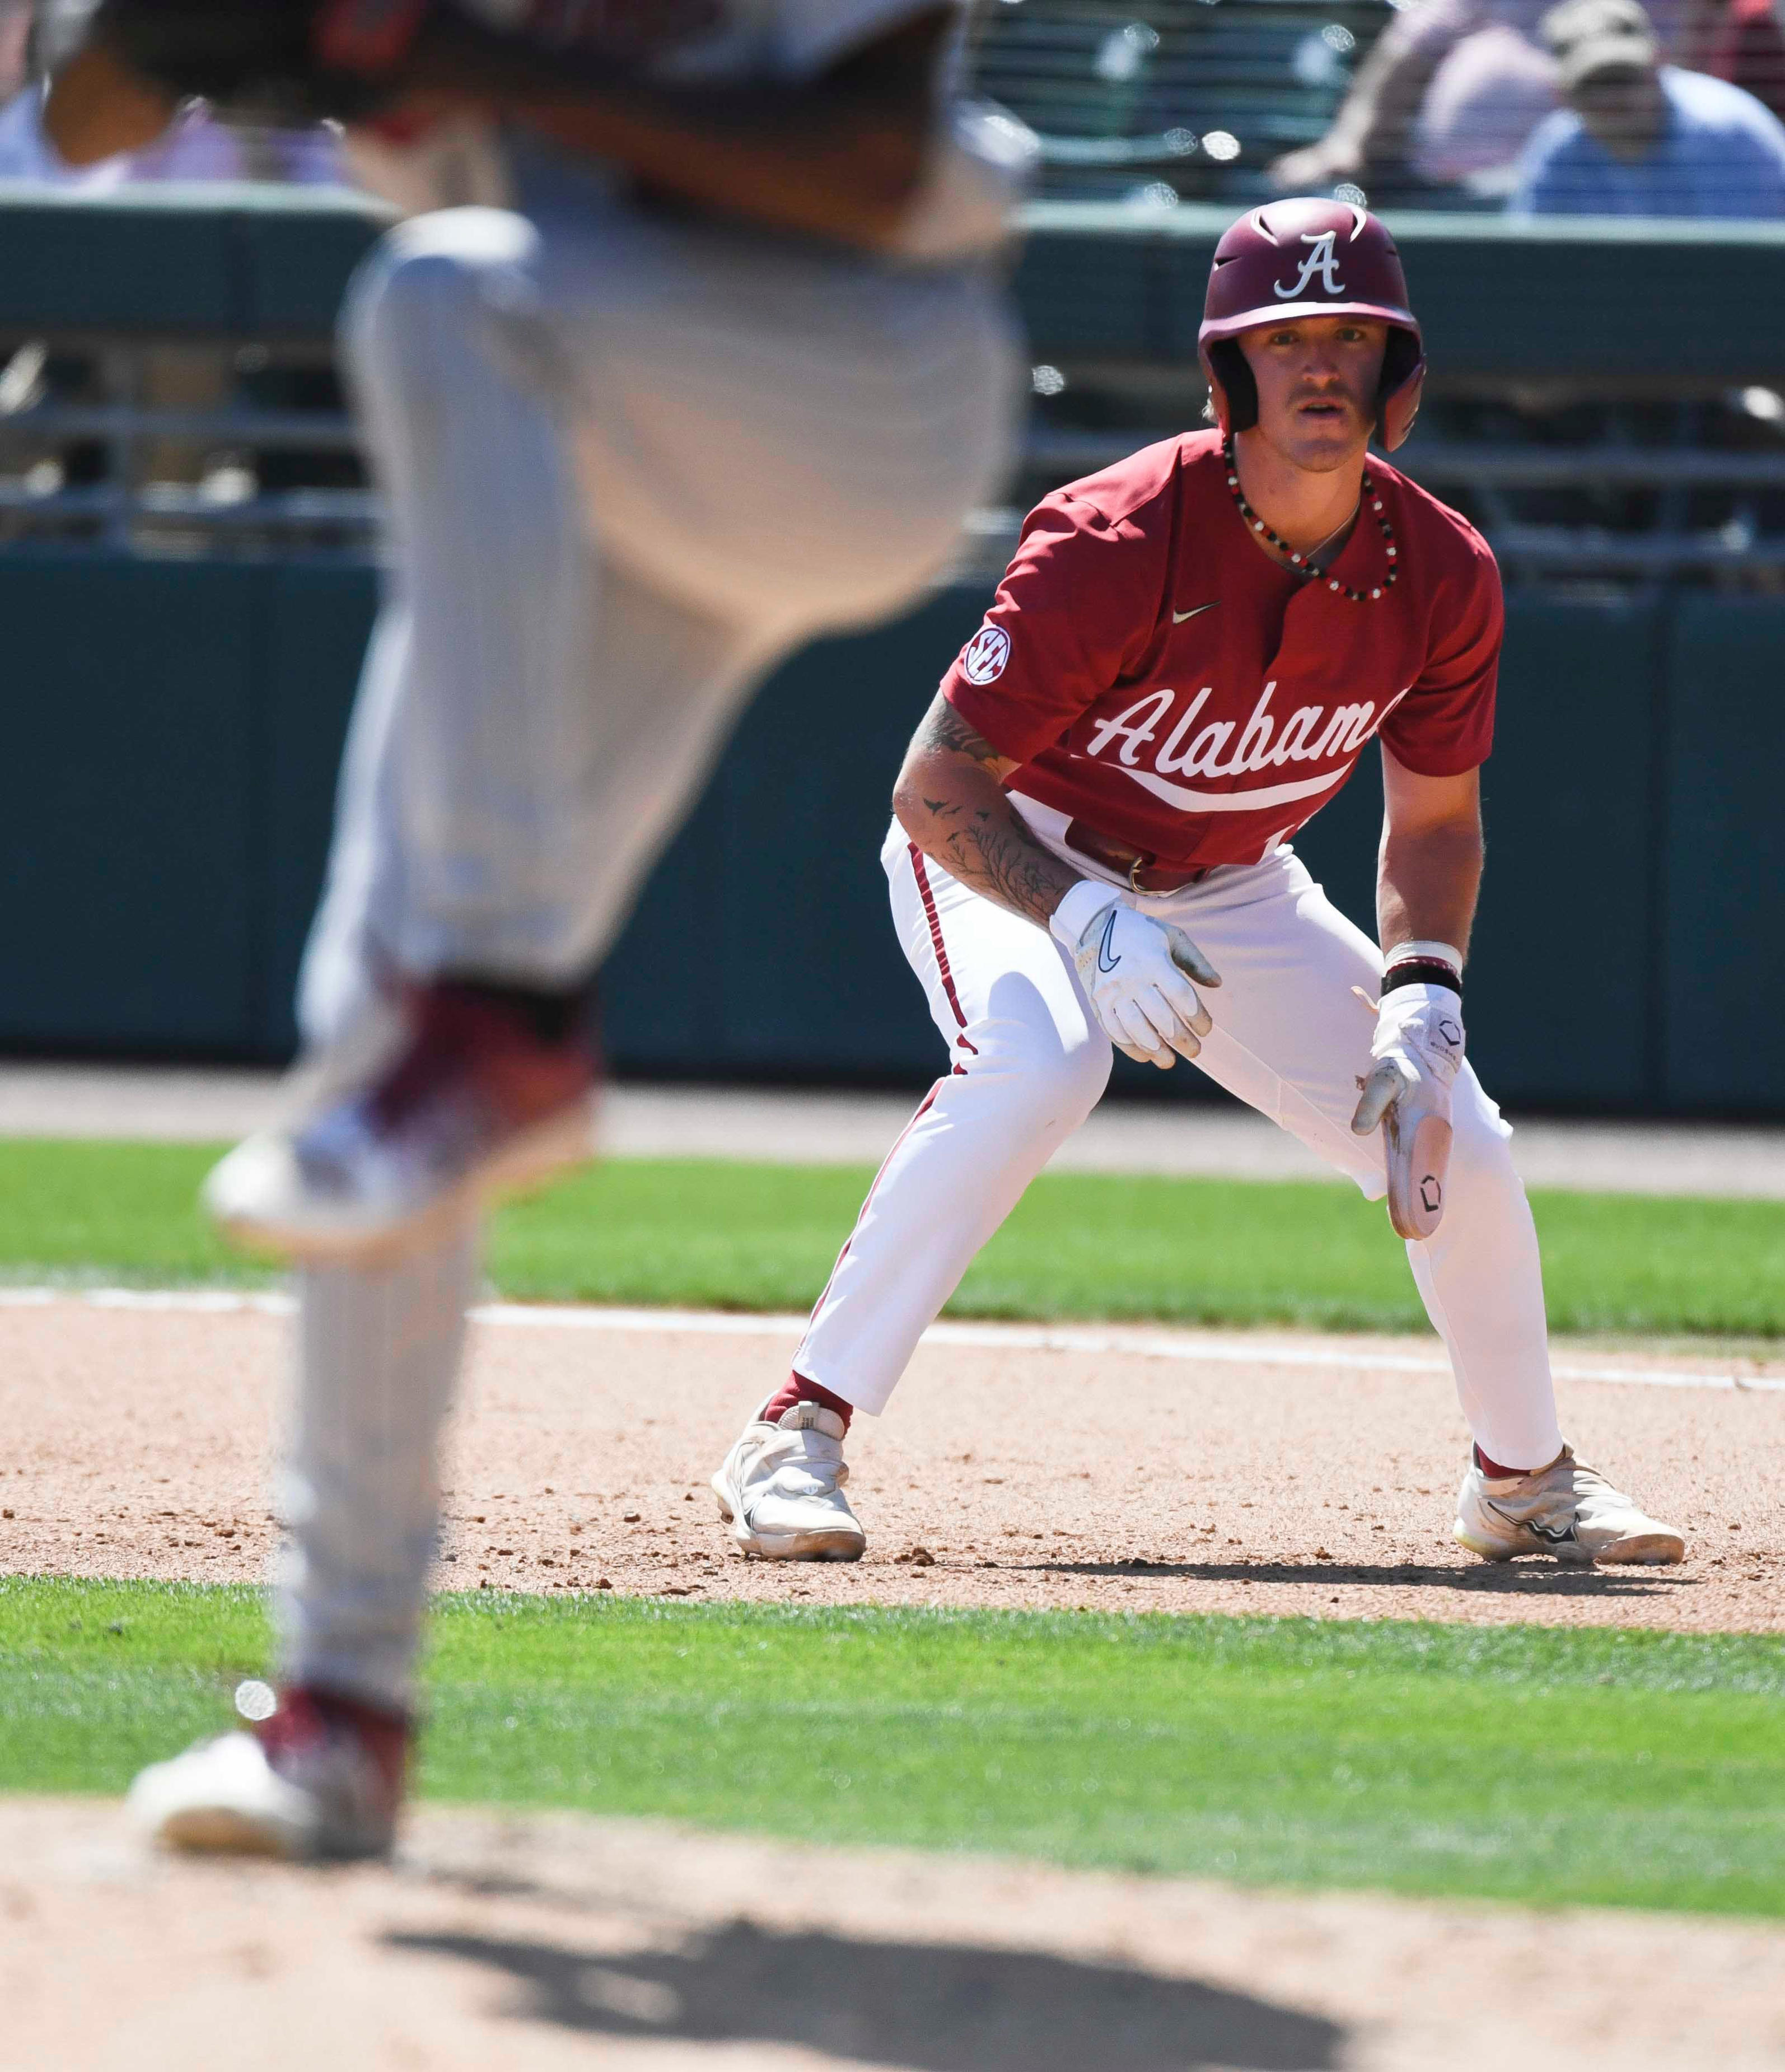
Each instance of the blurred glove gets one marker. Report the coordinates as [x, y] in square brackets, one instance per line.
[1136, 973]
[1419, 1050]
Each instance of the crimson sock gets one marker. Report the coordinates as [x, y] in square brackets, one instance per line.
[1493, 1470]
[796, 1389]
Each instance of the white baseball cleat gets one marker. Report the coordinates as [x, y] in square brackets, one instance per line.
[781, 1489]
[322, 1778]
[474, 1102]
[1567, 1510]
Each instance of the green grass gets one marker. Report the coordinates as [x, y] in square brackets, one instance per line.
[734, 1235]
[1536, 1764]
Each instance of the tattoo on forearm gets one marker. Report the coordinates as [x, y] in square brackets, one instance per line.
[1011, 865]
[944, 728]
[971, 828]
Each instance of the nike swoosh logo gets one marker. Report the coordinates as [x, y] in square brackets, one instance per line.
[1556, 1535]
[1105, 961]
[1195, 611]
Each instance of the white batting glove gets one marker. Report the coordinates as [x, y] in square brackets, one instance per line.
[1136, 973]
[1419, 1050]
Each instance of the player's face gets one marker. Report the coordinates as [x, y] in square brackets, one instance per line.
[1317, 379]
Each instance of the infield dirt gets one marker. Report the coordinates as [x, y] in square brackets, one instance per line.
[557, 1942]
[139, 1443]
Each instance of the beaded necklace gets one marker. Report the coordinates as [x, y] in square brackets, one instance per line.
[1302, 563]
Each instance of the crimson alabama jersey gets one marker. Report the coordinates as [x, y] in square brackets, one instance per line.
[1158, 676]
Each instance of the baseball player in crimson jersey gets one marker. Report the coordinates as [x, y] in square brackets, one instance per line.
[720, 358]
[1186, 659]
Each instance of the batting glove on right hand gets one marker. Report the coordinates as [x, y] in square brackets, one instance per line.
[1136, 973]
[1419, 1050]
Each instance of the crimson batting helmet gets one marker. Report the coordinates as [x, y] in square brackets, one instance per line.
[1305, 258]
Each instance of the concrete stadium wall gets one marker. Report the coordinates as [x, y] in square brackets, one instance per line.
[173, 731]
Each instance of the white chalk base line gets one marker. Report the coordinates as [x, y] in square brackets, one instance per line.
[1141, 1342]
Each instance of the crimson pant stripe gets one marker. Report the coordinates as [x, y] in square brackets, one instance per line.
[936, 942]
[941, 949]
[924, 1107]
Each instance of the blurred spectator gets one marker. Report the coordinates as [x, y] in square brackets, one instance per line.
[194, 380]
[35, 37]
[1641, 138]
[1453, 88]
[196, 147]
[1744, 43]
[15, 45]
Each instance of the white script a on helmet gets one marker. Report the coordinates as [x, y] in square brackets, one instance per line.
[1320, 261]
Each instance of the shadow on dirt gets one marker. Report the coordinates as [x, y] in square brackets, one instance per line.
[930, 2006]
[1536, 1579]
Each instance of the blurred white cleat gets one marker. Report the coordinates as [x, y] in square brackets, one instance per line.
[474, 1101]
[322, 1777]
[781, 1489]
[1567, 1510]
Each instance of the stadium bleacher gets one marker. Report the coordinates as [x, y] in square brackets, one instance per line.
[1182, 99]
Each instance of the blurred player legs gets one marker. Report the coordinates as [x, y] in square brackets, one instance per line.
[1031, 1064]
[729, 373]
[536, 712]
[627, 468]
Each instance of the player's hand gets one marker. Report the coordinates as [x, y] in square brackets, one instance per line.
[1137, 973]
[1418, 1051]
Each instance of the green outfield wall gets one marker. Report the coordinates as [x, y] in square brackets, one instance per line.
[172, 727]
[173, 733]
[1612, 297]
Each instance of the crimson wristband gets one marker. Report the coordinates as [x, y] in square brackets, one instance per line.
[1422, 971]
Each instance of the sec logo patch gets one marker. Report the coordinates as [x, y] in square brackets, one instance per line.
[983, 659]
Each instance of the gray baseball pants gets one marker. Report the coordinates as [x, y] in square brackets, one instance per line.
[628, 464]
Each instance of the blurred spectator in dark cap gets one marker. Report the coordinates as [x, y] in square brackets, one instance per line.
[1639, 138]
[1453, 88]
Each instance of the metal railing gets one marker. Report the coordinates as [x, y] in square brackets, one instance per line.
[1173, 99]
[165, 446]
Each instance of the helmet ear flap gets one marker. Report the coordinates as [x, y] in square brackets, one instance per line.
[1401, 355]
[1237, 406]
[1403, 377]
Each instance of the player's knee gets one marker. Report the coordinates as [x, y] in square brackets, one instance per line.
[1047, 1083]
[429, 283]
[1480, 1138]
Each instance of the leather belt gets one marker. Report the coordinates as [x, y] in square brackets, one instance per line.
[1144, 873]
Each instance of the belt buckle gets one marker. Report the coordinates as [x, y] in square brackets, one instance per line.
[1134, 870]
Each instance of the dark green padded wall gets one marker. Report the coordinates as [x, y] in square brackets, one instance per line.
[132, 915]
[1719, 969]
[166, 802]
[1495, 298]
[1570, 835]
[778, 873]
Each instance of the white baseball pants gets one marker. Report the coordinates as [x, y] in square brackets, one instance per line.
[1029, 1062]
[628, 463]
